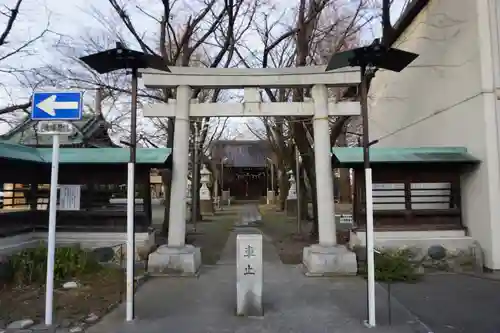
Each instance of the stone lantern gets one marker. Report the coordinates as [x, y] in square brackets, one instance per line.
[291, 199]
[206, 204]
[292, 191]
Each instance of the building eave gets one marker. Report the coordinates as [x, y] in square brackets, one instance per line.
[406, 19]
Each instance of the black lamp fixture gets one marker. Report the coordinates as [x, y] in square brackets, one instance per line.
[372, 57]
[108, 61]
[122, 58]
[377, 55]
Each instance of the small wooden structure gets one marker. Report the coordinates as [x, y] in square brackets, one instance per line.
[101, 174]
[245, 167]
[413, 188]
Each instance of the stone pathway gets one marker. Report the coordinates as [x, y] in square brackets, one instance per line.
[249, 215]
[292, 302]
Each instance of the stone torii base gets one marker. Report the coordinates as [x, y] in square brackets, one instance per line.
[321, 260]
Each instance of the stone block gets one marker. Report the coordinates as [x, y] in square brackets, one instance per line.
[20, 324]
[334, 260]
[206, 207]
[104, 254]
[182, 261]
[249, 278]
[291, 206]
[225, 196]
[270, 198]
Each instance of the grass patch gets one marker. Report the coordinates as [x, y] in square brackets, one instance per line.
[211, 236]
[283, 231]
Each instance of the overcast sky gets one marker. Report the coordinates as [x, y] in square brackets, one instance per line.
[73, 18]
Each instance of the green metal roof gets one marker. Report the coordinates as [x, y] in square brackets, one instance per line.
[19, 152]
[106, 155]
[83, 155]
[354, 155]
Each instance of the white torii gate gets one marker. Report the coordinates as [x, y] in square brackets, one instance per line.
[325, 257]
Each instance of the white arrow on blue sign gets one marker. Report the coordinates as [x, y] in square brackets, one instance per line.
[62, 105]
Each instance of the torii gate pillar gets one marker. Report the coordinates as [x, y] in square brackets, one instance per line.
[177, 256]
[324, 258]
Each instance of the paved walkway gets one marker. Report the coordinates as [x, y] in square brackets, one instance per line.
[453, 303]
[292, 302]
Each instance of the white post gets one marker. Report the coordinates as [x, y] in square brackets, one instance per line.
[51, 248]
[222, 176]
[299, 197]
[216, 189]
[249, 278]
[130, 243]
[177, 217]
[369, 247]
[195, 200]
[272, 178]
[323, 167]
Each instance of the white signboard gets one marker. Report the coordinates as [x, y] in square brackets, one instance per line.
[69, 197]
[249, 275]
[345, 218]
[55, 127]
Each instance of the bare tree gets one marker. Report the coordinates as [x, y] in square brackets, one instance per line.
[317, 29]
[12, 48]
[188, 33]
[209, 32]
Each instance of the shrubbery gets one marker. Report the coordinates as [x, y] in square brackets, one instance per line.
[30, 265]
[395, 266]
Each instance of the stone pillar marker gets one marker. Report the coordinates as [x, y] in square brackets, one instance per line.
[249, 277]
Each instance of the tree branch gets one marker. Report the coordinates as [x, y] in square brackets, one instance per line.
[10, 22]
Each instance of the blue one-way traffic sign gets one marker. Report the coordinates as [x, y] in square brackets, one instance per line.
[62, 105]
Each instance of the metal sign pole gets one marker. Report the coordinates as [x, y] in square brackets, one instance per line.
[376, 56]
[272, 179]
[52, 110]
[299, 196]
[369, 203]
[131, 202]
[222, 179]
[108, 61]
[196, 186]
[51, 247]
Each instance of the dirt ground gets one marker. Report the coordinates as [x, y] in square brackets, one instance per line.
[283, 231]
[99, 292]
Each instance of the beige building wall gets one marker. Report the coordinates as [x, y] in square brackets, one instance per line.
[447, 98]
